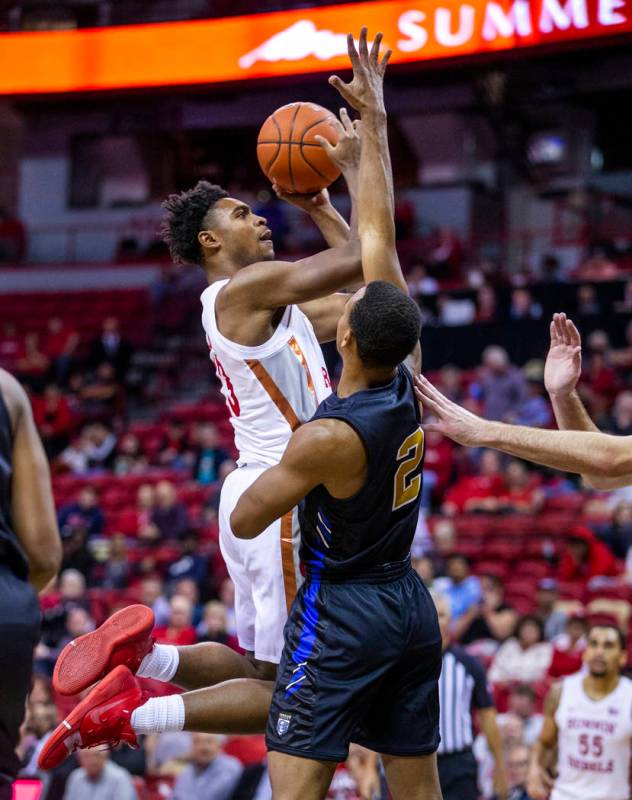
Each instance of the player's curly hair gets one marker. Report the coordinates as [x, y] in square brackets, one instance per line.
[183, 220]
[386, 324]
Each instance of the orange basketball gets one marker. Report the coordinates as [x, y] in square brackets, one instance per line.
[288, 152]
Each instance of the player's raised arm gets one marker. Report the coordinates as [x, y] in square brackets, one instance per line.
[327, 452]
[376, 205]
[32, 505]
[561, 374]
[585, 453]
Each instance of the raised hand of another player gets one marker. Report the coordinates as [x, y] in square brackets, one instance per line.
[451, 420]
[366, 90]
[564, 361]
[345, 154]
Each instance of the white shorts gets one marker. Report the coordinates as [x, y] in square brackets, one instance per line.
[265, 570]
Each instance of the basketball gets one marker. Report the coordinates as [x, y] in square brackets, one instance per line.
[289, 153]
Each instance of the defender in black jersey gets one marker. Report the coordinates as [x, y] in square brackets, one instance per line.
[362, 652]
[30, 554]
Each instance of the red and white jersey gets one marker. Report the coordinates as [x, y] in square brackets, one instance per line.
[593, 743]
[269, 389]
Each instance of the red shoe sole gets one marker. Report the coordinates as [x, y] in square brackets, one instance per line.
[58, 748]
[88, 658]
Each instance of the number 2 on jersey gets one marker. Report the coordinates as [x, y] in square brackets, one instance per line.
[233, 402]
[409, 456]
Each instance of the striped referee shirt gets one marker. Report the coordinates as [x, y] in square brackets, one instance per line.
[462, 687]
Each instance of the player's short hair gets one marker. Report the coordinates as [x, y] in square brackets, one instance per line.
[613, 626]
[386, 324]
[184, 218]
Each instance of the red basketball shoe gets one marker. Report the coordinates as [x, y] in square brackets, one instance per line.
[103, 717]
[124, 638]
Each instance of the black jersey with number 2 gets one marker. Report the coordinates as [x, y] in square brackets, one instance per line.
[374, 528]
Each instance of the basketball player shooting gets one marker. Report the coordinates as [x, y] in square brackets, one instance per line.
[588, 720]
[273, 378]
[362, 651]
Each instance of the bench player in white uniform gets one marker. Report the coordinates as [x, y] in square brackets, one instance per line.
[588, 718]
[263, 321]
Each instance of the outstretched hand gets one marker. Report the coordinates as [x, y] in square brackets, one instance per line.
[564, 361]
[451, 419]
[366, 89]
[345, 154]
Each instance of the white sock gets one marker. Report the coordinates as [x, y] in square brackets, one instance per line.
[159, 714]
[161, 663]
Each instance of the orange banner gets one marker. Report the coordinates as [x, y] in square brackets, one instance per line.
[292, 42]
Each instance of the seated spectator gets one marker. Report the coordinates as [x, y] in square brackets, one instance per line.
[54, 418]
[424, 567]
[523, 306]
[443, 544]
[71, 593]
[191, 564]
[115, 572]
[486, 309]
[501, 387]
[169, 516]
[60, 347]
[587, 302]
[179, 629]
[187, 587]
[438, 459]
[462, 589]
[621, 422]
[521, 702]
[211, 775]
[101, 447]
[546, 598]
[112, 348]
[478, 492]
[213, 627]
[585, 557]
[135, 521]
[617, 534]
[85, 512]
[102, 394]
[493, 618]
[129, 457]
[450, 378]
[152, 595]
[518, 768]
[41, 720]
[175, 451]
[568, 647]
[98, 778]
[520, 496]
[168, 753]
[446, 255]
[32, 364]
[535, 411]
[525, 657]
[208, 455]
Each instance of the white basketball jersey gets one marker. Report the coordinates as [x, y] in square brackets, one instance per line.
[269, 389]
[593, 743]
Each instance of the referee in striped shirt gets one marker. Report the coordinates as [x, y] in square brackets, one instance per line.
[462, 688]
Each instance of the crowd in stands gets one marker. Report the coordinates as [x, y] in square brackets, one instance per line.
[526, 556]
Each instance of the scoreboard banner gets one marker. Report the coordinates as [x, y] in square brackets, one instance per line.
[292, 42]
